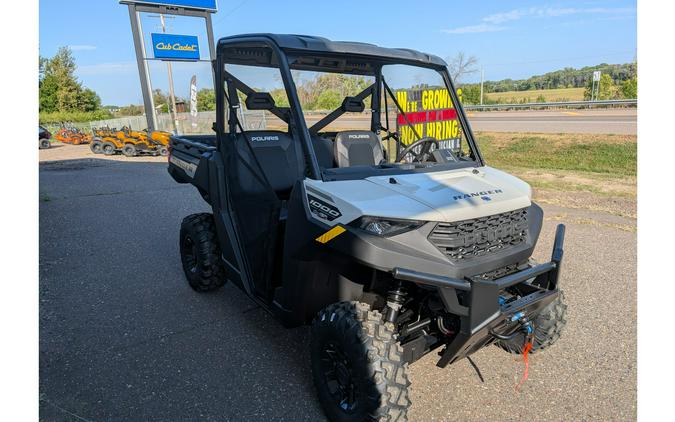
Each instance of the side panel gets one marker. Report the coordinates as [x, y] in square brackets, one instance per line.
[313, 276]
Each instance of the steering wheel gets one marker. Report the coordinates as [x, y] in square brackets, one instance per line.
[423, 154]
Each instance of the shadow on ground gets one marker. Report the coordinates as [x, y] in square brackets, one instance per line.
[123, 337]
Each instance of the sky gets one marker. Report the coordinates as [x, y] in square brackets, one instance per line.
[510, 39]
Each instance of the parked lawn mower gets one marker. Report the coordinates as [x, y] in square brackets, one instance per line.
[72, 135]
[126, 141]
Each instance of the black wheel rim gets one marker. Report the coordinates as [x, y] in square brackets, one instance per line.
[189, 250]
[339, 378]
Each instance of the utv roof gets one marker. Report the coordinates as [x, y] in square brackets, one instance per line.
[290, 43]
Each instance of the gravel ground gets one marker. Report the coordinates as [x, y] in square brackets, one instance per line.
[122, 336]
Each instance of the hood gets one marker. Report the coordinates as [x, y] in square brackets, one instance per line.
[461, 194]
[447, 196]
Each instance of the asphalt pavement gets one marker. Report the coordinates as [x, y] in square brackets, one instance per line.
[124, 338]
[620, 121]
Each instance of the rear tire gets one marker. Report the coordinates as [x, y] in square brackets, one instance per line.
[129, 150]
[548, 325]
[357, 365]
[44, 144]
[108, 148]
[200, 253]
[95, 147]
[163, 151]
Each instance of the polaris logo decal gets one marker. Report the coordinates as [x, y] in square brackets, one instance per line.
[482, 194]
[264, 138]
[361, 136]
[323, 209]
[188, 168]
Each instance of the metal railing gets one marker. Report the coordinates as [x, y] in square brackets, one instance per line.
[555, 104]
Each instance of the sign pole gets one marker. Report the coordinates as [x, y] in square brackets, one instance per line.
[172, 95]
[139, 45]
[481, 85]
[212, 46]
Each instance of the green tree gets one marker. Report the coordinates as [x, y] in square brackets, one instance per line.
[59, 89]
[89, 100]
[206, 100]
[606, 91]
[49, 88]
[629, 88]
[470, 94]
[131, 110]
[280, 97]
[329, 99]
[161, 101]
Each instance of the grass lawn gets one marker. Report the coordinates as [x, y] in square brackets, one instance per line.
[597, 169]
[611, 155]
[561, 94]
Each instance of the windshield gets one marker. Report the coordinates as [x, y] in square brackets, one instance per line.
[362, 115]
[321, 92]
[405, 121]
[423, 108]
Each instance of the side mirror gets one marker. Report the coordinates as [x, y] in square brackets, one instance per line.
[259, 101]
[353, 104]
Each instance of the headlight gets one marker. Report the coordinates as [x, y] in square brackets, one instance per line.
[385, 226]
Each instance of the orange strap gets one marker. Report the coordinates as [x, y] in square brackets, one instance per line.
[526, 350]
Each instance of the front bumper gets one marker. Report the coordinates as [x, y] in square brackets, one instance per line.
[482, 312]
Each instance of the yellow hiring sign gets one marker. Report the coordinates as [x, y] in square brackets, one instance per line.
[429, 112]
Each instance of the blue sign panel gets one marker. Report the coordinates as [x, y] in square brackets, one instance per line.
[209, 5]
[175, 47]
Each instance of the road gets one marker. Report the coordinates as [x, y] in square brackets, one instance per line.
[123, 337]
[621, 121]
[608, 121]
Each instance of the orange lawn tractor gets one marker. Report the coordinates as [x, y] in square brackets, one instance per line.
[72, 135]
[161, 140]
[99, 134]
[128, 142]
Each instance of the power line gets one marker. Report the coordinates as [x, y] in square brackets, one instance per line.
[228, 13]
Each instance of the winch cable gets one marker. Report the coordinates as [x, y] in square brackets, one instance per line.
[475, 367]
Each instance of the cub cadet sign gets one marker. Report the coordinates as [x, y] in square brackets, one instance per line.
[431, 112]
[175, 47]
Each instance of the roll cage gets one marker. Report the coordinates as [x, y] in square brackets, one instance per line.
[299, 52]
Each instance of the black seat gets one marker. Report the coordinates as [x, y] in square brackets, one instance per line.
[279, 157]
[323, 148]
[358, 148]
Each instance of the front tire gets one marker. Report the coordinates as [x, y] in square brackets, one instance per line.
[548, 325]
[108, 148]
[95, 147]
[200, 253]
[357, 365]
[45, 144]
[129, 150]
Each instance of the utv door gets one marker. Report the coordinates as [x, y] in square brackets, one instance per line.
[255, 208]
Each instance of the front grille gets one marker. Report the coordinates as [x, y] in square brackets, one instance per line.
[499, 272]
[467, 239]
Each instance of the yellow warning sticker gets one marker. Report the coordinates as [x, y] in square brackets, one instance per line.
[331, 234]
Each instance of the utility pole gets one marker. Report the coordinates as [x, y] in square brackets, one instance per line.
[172, 96]
[171, 92]
[481, 85]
